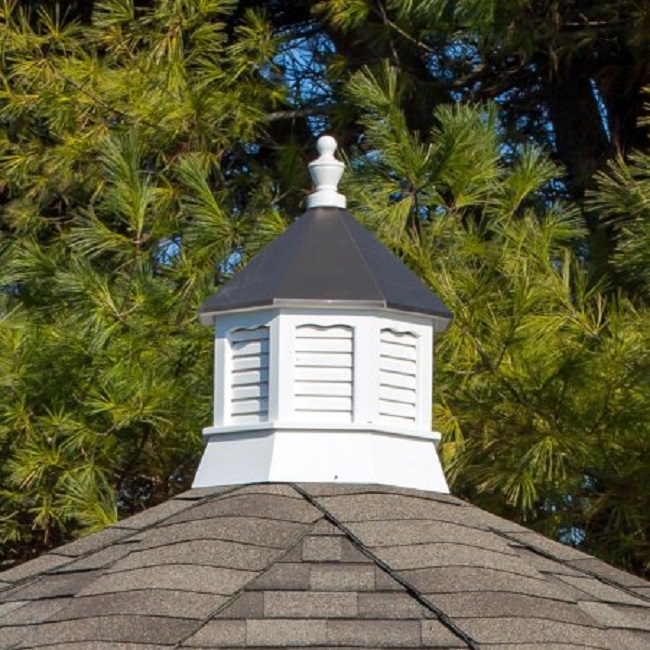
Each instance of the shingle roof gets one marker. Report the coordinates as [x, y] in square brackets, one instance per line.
[313, 565]
[326, 256]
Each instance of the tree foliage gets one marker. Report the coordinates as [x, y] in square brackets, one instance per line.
[543, 380]
[126, 195]
[148, 149]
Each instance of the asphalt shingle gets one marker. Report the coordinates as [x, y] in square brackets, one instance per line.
[269, 566]
[247, 530]
[179, 577]
[206, 552]
[147, 602]
[125, 629]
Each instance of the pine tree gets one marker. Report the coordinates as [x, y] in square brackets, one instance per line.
[149, 149]
[542, 384]
[127, 154]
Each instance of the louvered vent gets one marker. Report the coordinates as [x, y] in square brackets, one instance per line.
[397, 376]
[323, 387]
[249, 400]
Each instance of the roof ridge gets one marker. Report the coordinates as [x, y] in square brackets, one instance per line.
[566, 563]
[366, 265]
[415, 593]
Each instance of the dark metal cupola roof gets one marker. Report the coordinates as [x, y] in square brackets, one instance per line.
[326, 258]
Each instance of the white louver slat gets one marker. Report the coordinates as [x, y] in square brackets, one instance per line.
[323, 388]
[249, 398]
[398, 376]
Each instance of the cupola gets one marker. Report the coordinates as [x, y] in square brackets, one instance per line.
[323, 358]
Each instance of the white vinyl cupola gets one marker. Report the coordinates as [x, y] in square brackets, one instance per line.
[323, 358]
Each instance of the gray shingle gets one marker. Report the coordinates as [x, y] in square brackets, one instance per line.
[284, 575]
[378, 633]
[50, 586]
[607, 572]
[248, 604]
[198, 494]
[8, 607]
[487, 604]
[128, 629]
[155, 515]
[399, 532]
[39, 565]
[221, 633]
[630, 640]
[350, 553]
[153, 602]
[179, 577]
[545, 545]
[339, 489]
[517, 629]
[33, 612]
[302, 604]
[535, 646]
[544, 564]
[384, 507]
[389, 605]
[280, 508]
[106, 645]
[280, 489]
[9, 636]
[343, 577]
[284, 632]
[99, 560]
[594, 589]
[435, 634]
[324, 527]
[209, 552]
[247, 530]
[386, 582]
[617, 616]
[468, 579]
[94, 542]
[261, 567]
[423, 556]
[321, 549]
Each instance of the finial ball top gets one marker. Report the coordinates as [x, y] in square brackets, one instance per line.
[326, 145]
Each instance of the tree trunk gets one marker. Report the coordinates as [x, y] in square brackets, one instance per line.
[581, 139]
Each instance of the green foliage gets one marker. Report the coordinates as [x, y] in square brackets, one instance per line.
[148, 149]
[542, 381]
[123, 150]
[622, 201]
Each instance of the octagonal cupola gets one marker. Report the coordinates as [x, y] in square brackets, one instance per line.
[323, 358]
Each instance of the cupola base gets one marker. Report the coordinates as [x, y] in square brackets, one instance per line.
[330, 455]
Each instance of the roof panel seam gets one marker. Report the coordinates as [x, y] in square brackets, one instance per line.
[363, 259]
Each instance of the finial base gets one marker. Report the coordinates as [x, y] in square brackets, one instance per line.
[326, 199]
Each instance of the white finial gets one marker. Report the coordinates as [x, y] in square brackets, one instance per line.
[326, 172]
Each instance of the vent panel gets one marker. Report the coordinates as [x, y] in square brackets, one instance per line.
[249, 398]
[398, 377]
[323, 388]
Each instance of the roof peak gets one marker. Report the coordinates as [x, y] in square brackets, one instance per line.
[326, 172]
